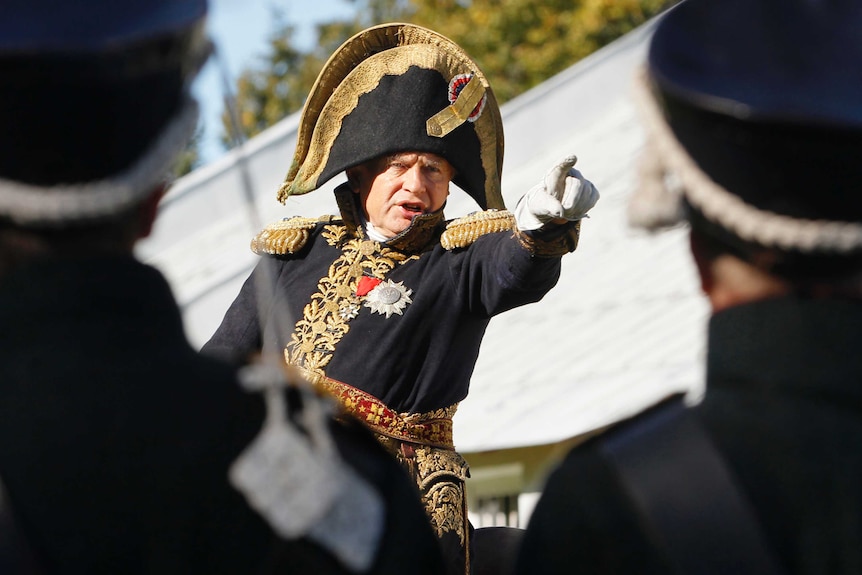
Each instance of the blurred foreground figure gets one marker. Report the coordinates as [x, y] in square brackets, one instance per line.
[117, 440]
[754, 120]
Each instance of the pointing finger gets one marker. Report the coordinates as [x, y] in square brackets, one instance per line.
[555, 179]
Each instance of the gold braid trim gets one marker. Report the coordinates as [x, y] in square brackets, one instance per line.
[422, 444]
[440, 476]
[285, 237]
[556, 247]
[462, 232]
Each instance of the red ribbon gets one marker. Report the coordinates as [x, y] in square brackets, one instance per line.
[365, 285]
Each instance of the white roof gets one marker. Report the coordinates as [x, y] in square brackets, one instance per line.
[623, 328]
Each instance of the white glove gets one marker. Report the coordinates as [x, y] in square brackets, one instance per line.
[564, 194]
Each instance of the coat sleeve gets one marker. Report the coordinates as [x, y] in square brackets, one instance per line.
[498, 273]
[239, 334]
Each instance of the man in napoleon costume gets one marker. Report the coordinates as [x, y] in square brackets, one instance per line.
[122, 450]
[388, 302]
[753, 113]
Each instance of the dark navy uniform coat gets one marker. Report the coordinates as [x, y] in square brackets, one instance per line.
[116, 437]
[783, 407]
[415, 361]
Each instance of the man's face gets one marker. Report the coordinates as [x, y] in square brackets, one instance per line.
[394, 189]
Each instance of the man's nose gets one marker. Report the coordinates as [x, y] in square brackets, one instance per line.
[414, 180]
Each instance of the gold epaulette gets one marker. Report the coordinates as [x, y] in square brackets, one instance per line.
[462, 232]
[287, 236]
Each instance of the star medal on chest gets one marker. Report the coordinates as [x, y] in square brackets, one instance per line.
[384, 297]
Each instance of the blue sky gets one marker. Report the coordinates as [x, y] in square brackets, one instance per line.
[240, 29]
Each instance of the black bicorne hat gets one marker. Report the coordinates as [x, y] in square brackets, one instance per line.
[395, 88]
[94, 101]
[755, 108]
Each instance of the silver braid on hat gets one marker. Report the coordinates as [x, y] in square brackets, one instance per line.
[68, 203]
[668, 175]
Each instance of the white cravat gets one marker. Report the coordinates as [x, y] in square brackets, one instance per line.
[372, 232]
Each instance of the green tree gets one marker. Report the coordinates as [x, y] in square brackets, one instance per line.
[278, 86]
[521, 43]
[265, 94]
[517, 44]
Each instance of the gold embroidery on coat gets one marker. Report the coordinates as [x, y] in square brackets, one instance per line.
[440, 476]
[444, 504]
[326, 317]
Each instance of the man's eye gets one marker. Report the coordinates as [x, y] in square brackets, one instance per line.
[433, 170]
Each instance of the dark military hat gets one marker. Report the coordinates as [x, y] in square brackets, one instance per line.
[754, 108]
[94, 101]
[395, 88]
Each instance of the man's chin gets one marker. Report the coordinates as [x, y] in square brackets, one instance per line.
[401, 225]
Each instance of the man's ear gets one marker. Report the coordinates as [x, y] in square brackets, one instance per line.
[149, 209]
[702, 260]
